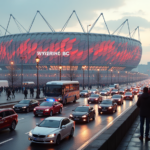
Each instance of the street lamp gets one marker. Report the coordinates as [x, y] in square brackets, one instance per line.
[60, 68]
[83, 67]
[37, 62]
[12, 73]
[107, 71]
[98, 79]
[118, 76]
[22, 58]
[111, 77]
[88, 53]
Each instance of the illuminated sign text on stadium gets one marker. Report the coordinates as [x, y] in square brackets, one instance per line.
[52, 53]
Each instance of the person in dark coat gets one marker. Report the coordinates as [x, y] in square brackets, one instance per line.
[8, 94]
[144, 104]
[13, 93]
[25, 93]
[32, 92]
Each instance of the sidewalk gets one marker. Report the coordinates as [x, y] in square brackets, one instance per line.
[131, 140]
[18, 97]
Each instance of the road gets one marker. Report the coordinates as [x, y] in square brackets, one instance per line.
[18, 139]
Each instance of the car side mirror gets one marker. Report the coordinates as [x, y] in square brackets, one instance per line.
[63, 127]
[37, 124]
[0, 118]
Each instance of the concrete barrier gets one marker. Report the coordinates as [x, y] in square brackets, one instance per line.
[111, 138]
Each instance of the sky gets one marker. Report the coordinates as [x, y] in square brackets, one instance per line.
[56, 12]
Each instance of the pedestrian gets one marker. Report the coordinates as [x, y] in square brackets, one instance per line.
[144, 104]
[8, 94]
[13, 93]
[30, 92]
[43, 91]
[25, 93]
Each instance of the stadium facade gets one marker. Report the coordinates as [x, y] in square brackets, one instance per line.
[60, 48]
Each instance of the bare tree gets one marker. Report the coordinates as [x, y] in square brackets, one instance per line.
[71, 72]
[98, 78]
[12, 75]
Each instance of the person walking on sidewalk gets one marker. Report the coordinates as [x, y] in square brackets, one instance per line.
[8, 94]
[144, 104]
[25, 93]
[13, 93]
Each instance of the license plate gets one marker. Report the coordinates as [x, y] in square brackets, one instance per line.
[39, 113]
[76, 118]
[104, 110]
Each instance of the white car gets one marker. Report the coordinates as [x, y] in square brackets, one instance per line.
[52, 130]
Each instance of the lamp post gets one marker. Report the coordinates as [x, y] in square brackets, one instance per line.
[118, 76]
[107, 71]
[83, 67]
[60, 68]
[12, 73]
[98, 79]
[88, 53]
[111, 76]
[22, 58]
[37, 62]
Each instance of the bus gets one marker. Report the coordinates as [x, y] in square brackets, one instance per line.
[62, 91]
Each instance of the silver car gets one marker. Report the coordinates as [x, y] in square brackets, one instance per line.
[52, 130]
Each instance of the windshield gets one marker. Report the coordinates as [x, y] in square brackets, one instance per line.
[111, 86]
[53, 90]
[128, 94]
[50, 124]
[24, 102]
[103, 91]
[116, 96]
[84, 91]
[94, 95]
[121, 90]
[93, 90]
[82, 109]
[106, 102]
[46, 104]
[115, 90]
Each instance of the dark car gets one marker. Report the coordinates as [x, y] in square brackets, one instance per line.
[94, 91]
[114, 91]
[95, 98]
[26, 105]
[48, 108]
[118, 99]
[139, 94]
[122, 91]
[135, 91]
[8, 119]
[129, 95]
[83, 114]
[107, 105]
[85, 93]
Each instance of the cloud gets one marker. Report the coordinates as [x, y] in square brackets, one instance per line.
[139, 12]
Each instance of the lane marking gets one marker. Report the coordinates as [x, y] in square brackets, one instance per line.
[21, 119]
[6, 141]
[101, 131]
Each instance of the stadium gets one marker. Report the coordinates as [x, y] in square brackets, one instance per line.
[106, 51]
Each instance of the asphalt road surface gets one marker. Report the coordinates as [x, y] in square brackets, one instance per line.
[18, 139]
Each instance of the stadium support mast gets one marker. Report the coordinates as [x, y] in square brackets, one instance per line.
[64, 27]
[51, 28]
[96, 22]
[121, 26]
[4, 29]
[134, 31]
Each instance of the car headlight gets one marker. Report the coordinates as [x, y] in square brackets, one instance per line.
[59, 99]
[24, 107]
[84, 116]
[51, 135]
[85, 93]
[96, 99]
[119, 99]
[30, 133]
[46, 109]
[100, 107]
[110, 107]
[13, 106]
[34, 109]
[130, 96]
[71, 115]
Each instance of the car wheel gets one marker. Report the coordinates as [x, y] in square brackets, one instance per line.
[93, 117]
[13, 126]
[75, 99]
[71, 132]
[35, 115]
[116, 110]
[60, 110]
[27, 110]
[51, 113]
[88, 120]
[58, 140]
[99, 112]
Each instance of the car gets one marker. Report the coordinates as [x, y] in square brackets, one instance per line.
[52, 130]
[122, 91]
[139, 94]
[135, 91]
[48, 108]
[26, 105]
[94, 91]
[114, 91]
[104, 92]
[108, 106]
[95, 98]
[85, 93]
[8, 119]
[129, 95]
[129, 89]
[83, 114]
[109, 91]
[118, 99]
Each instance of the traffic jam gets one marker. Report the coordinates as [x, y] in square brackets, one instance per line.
[53, 128]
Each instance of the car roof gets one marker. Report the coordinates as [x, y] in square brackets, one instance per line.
[55, 118]
[108, 99]
[117, 94]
